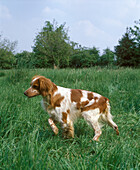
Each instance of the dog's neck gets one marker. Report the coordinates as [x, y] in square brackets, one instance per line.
[47, 102]
[49, 97]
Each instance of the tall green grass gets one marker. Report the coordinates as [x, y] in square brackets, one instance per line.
[27, 141]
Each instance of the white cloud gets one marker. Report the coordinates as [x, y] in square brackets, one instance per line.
[91, 22]
[4, 12]
[113, 23]
[88, 28]
[87, 34]
[52, 12]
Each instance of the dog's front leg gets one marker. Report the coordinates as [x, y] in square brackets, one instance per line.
[53, 126]
[68, 130]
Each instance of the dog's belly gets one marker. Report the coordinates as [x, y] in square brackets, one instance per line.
[74, 112]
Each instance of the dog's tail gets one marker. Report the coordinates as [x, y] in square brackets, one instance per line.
[107, 117]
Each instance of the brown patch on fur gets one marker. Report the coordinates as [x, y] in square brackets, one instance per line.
[54, 89]
[82, 104]
[90, 96]
[95, 98]
[76, 95]
[78, 105]
[64, 118]
[46, 86]
[68, 111]
[56, 100]
[101, 104]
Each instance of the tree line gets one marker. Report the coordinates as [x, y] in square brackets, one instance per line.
[53, 48]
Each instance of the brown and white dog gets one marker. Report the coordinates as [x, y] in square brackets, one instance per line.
[65, 105]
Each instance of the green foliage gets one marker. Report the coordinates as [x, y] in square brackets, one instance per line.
[135, 32]
[7, 59]
[52, 46]
[27, 141]
[2, 74]
[25, 60]
[128, 50]
[107, 58]
[85, 57]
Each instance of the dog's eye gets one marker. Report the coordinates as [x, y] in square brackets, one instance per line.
[35, 86]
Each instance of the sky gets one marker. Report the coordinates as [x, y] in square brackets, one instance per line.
[99, 23]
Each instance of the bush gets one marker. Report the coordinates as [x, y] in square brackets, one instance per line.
[85, 58]
[25, 60]
[7, 59]
[108, 58]
[2, 74]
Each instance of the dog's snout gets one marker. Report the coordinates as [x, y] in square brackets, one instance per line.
[31, 92]
[25, 93]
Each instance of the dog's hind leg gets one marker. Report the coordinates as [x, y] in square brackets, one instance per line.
[97, 130]
[92, 118]
[53, 126]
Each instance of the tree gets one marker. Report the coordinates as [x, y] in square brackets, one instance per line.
[135, 32]
[25, 60]
[7, 59]
[128, 50]
[85, 57]
[107, 58]
[52, 46]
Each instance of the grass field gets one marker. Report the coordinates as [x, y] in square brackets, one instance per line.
[27, 141]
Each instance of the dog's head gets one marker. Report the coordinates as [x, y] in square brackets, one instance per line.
[39, 86]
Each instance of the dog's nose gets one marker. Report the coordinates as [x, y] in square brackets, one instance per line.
[25, 93]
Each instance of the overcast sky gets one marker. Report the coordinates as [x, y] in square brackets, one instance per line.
[99, 23]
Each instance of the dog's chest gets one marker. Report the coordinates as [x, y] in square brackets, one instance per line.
[51, 111]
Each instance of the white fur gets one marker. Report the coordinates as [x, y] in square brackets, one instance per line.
[72, 107]
[92, 116]
[35, 79]
[33, 90]
[66, 104]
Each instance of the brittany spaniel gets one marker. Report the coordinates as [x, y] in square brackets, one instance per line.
[65, 105]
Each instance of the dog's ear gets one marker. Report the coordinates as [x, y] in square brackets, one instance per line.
[45, 86]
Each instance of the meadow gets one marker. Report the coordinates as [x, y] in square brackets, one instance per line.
[27, 141]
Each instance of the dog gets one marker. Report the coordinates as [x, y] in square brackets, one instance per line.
[65, 105]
